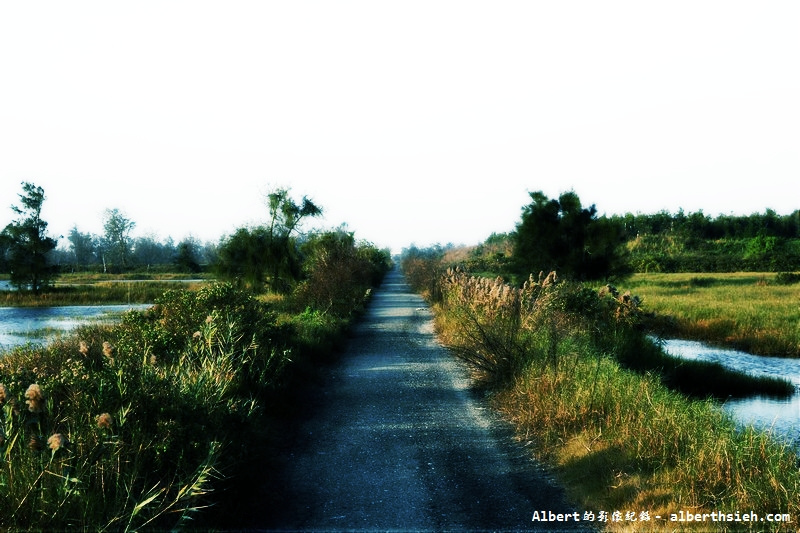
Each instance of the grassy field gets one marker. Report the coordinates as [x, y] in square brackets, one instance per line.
[747, 311]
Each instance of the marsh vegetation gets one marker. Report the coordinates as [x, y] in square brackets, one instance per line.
[170, 418]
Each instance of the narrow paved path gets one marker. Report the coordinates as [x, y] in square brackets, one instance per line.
[400, 442]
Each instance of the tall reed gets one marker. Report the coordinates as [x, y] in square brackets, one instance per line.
[110, 430]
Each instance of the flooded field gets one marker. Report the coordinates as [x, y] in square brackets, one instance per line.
[22, 325]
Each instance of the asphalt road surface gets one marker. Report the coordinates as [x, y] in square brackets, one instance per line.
[400, 442]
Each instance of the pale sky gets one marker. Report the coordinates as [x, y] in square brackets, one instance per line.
[412, 122]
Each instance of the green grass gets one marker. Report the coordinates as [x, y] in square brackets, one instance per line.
[751, 312]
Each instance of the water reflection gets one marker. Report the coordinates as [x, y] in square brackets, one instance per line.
[781, 416]
[22, 325]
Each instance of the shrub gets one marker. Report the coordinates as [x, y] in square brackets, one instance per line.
[787, 278]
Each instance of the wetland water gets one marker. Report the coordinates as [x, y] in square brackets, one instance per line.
[22, 325]
[779, 415]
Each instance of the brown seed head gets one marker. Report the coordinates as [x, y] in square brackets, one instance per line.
[34, 398]
[105, 421]
[108, 349]
[56, 442]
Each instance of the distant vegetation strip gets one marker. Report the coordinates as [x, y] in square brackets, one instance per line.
[93, 293]
[572, 367]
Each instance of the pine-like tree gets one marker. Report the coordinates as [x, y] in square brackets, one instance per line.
[27, 244]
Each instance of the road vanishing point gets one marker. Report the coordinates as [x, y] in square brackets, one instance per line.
[401, 442]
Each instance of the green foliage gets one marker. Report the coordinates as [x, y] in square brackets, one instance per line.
[339, 273]
[101, 433]
[142, 425]
[84, 248]
[165, 330]
[243, 257]
[422, 269]
[563, 236]
[269, 253]
[787, 278]
[117, 245]
[186, 258]
[698, 243]
[26, 242]
[494, 256]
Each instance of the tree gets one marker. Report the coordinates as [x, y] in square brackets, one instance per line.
[268, 253]
[84, 248]
[242, 257]
[187, 254]
[27, 244]
[117, 243]
[285, 218]
[564, 236]
[148, 251]
[337, 270]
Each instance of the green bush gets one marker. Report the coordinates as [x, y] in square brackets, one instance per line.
[787, 278]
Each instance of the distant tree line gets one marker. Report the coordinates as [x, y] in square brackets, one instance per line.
[31, 257]
[116, 250]
[696, 242]
[273, 256]
[561, 234]
[698, 225]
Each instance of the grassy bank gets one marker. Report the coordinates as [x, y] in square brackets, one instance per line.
[168, 419]
[620, 441]
[751, 312]
[98, 293]
[88, 288]
[572, 369]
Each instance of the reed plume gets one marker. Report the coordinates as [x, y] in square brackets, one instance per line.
[34, 399]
